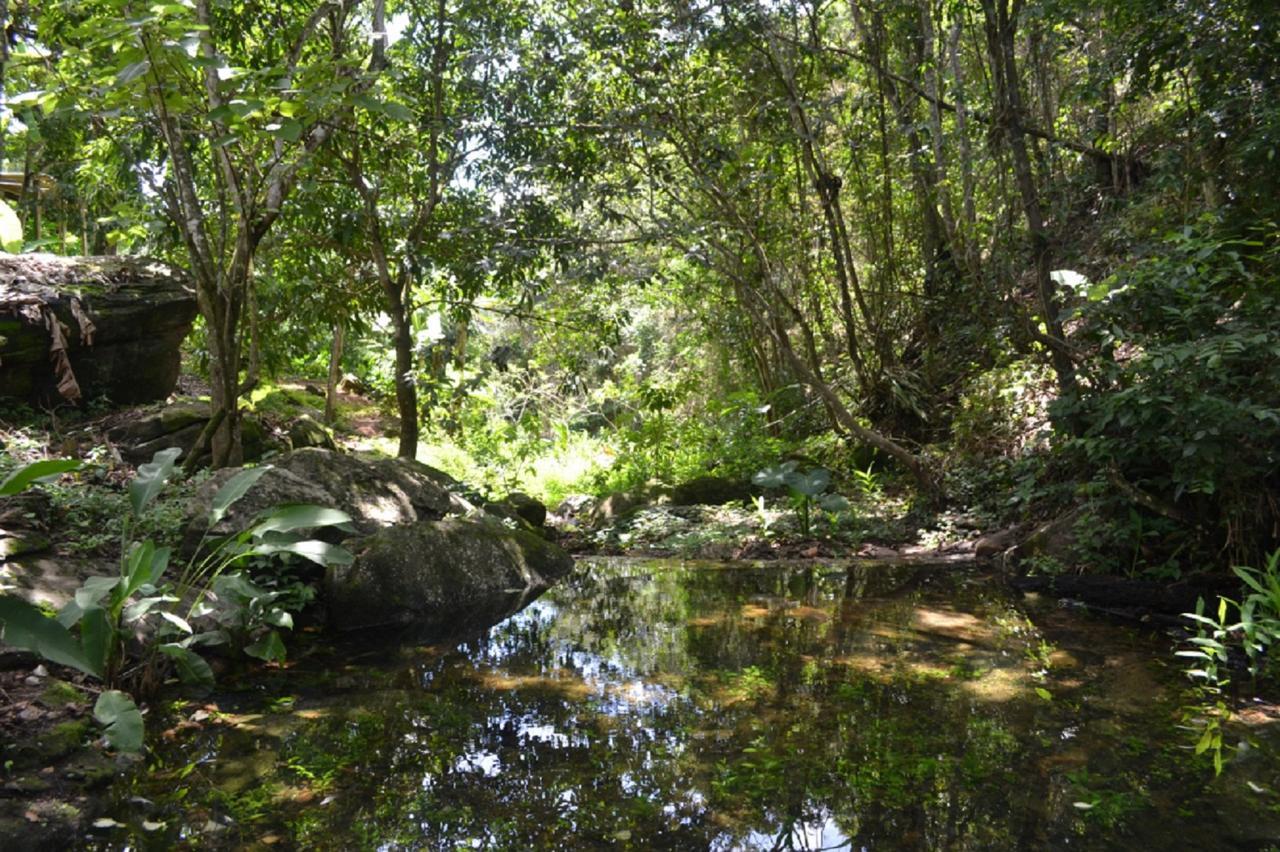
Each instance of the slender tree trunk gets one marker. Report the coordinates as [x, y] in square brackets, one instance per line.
[335, 372]
[1000, 26]
[406, 388]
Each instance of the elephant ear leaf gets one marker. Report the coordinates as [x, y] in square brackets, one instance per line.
[810, 484]
[774, 476]
[116, 712]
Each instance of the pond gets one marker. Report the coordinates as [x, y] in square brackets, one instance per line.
[669, 705]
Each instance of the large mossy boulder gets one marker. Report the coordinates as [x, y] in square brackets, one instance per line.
[74, 329]
[710, 491]
[375, 492]
[437, 575]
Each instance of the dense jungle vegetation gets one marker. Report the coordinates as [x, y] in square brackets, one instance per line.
[1014, 261]
[1019, 256]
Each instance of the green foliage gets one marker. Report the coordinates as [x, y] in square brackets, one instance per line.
[1256, 632]
[39, 471]
[107, 611]
[1182, 405]
[806, 490]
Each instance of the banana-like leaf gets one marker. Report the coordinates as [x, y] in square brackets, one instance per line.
[25, 626]
[117, 712]
[151, 478]
[232, 490]
[96, 636]
[320, 552]
[93, 590]
[296, 517]
[22, 478]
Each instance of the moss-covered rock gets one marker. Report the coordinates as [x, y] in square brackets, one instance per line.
[375, 492]
[306, 431]
[710, 491]
[440, 576]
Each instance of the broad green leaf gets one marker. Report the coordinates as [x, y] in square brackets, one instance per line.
[232, 490]
[137, 566]
[132, 72]
[93, 590]
[320, 552]
[177, 622]
[279, 618]
[121, 718]
[151, 478]
[141, 607]
[397, 111]
[25, 626]
[774, 476]
[301, 516]
[192, 668]
[833, 503]
[809, 484]
[289, 130]
[269, 648]
[23, 477]
[97, 637]
[1044, 693]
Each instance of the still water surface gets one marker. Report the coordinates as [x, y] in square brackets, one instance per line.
[670, 705]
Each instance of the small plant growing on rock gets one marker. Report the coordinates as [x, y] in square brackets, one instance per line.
[108, 613]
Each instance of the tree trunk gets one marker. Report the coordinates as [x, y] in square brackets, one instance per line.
[406, 389]
[335, 372]
[1000, 28]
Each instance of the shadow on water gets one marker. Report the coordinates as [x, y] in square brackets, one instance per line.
[665, 705]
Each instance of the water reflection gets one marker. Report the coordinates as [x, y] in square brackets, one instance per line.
[657, 705]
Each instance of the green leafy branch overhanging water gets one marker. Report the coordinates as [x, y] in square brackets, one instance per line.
[1255, 633]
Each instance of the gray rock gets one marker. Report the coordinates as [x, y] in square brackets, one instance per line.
[125, 319]
[306, 431]
[530, 510]
[574, 506]
[616, 505]
[179, 425]
[994, 544]
[436, 575]
[1052, 542]
[710, 491]
[375, 492]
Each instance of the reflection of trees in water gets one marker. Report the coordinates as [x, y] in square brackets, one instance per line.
[756, 736]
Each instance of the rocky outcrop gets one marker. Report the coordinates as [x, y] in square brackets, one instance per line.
[74, 329]
[375, 492]
[414, 567]
[710, 491]
[306, 431]
[518, 506]
[437, 575]
[179, 425]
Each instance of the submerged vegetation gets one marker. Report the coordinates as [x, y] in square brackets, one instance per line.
[986, 281]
